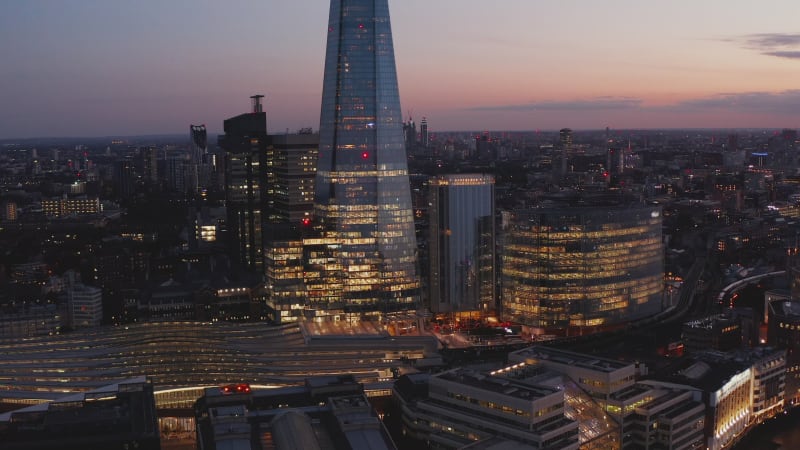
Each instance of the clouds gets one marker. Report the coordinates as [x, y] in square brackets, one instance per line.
[781, 45]
[785, 102]
[590, 104]
[726, 110]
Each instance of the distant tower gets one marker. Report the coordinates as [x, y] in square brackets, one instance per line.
[367, 253]
[124, 178]
[424, 138]
[565, 138]
[733, 142]
[178, 173]
[198, 153]
[149, 163]
[410, 134]
[462, 249]
[245, 144]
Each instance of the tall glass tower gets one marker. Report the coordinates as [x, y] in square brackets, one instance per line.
[366, 258]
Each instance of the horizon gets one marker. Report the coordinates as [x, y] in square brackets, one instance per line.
[12, 141]
[77, 68]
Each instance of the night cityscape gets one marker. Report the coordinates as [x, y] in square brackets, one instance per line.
[597, 250]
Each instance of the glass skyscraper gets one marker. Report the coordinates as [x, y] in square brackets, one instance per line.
[365, 259]
[462, 243]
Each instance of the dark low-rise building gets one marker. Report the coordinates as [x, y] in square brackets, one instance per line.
[326, 412]
[117, 416]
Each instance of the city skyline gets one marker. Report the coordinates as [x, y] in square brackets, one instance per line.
[81, 68]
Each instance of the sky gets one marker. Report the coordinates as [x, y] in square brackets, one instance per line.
[121, 67]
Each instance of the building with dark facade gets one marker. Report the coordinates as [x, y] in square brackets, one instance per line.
[721, 332]
[324, 413]
[424, 136]
[199, 168]
[462, 243]
[245, 143]
[364, 262]
[574, 268]
[121, 415]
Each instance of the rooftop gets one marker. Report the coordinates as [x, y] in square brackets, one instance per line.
[789, 310]
[500, 385]
[568, 358]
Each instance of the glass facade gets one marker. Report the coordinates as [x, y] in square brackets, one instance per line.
[462, 235]
[365, 260]
[582, 266]
[291, 164]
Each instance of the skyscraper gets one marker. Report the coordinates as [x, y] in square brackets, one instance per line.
[565, 139]
[424, 137]
[199, 143]
[462, 250]
[198, 154]
[245, 144]
[367, 253]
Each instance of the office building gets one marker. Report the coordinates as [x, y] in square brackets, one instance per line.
[86, 305]
[599, 377]
[365, 258]
[291, 166]
[463, 408]
[783, 331]
[245, 144]
[721, 332]
[739, 389]
[574, 269]
[657, 417]
[462, 243]
[284, 272]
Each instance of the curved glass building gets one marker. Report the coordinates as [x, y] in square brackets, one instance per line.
[575, 268]
[365, 260]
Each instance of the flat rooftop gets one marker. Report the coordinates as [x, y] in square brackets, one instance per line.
[496, 384]
[568, 358]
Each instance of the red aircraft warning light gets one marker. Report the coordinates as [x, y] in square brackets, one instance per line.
[241, 388]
